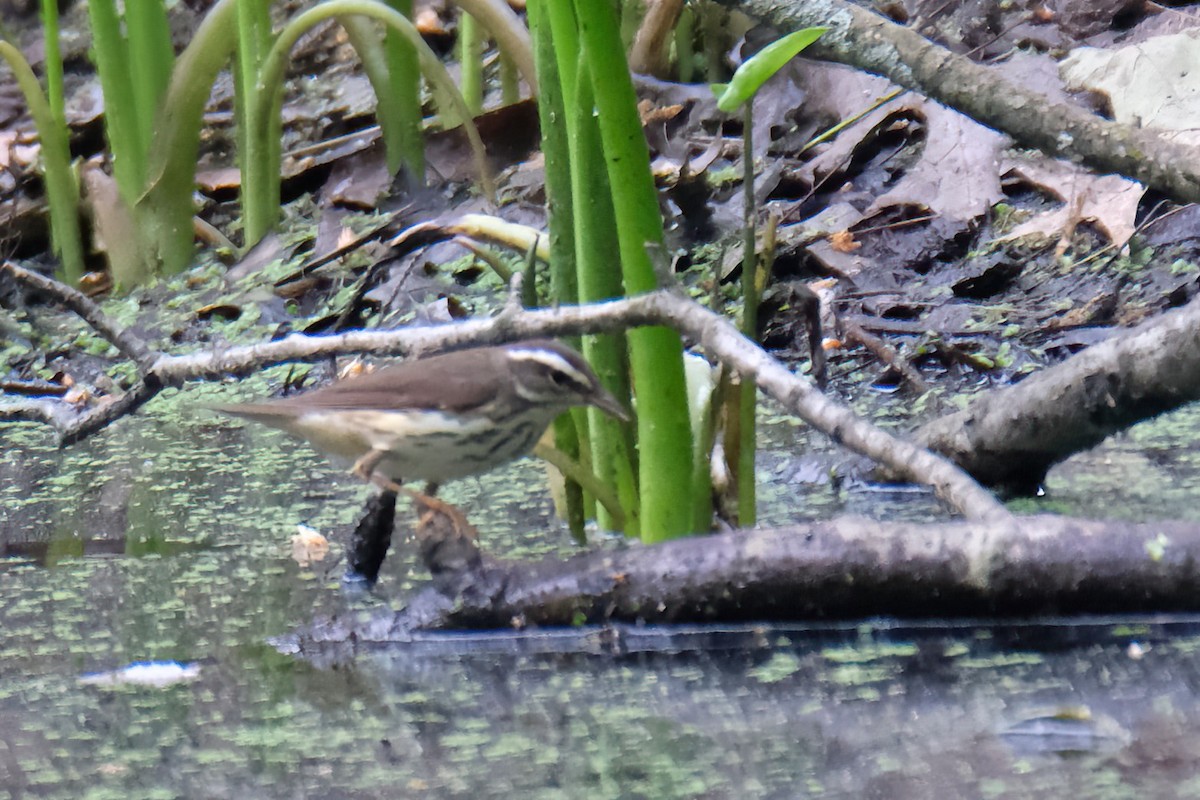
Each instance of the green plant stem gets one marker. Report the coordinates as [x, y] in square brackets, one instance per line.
[597, 254]
[165, 207]
[401, 116]
[714, 34]
[834, 130]
[629, 18]
[470, 59]
[574, 471]
[120, 101]
[385, 63]
[254, 153]
[564, 28]
[747, 404]
[664, 431]
[510, 80]
[560, 210]
[62, 192]
[566, 442]
[53, 62]
[151, 58]
[269, 89]
[512, 37]
[560, 221]
[685, 50]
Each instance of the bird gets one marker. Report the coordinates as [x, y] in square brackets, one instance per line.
[438, 418]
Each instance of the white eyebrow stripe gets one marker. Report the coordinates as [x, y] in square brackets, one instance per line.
[553, 360]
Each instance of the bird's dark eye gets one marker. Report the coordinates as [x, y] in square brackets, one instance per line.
[559, 378]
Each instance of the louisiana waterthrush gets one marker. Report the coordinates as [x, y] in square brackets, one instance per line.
[443, 417]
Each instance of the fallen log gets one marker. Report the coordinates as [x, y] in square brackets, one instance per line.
[843, 568]
[1010, 437]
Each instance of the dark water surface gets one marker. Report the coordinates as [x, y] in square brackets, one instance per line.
[168, 538]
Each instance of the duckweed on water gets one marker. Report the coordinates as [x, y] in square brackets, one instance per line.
[723, 723]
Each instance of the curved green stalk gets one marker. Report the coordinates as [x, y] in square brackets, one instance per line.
[510, 80]
[503, 24]
[573, 470]
[165, 208]
[385, 63]
[62, 192]
[269, 93]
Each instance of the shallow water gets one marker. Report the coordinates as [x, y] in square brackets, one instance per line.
[168, 538]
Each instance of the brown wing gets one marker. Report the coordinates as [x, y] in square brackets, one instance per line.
[465, 380]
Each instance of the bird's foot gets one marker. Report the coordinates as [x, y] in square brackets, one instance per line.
[438, 514]
[449, 543]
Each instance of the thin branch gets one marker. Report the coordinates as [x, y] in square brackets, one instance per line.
[101, 416]
[130, 345]
[718, 336]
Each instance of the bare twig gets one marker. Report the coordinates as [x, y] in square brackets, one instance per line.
[130, 345]
[100, 416]
[887, 354]
[718, 336]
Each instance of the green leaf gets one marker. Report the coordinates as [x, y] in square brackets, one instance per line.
[756, 70]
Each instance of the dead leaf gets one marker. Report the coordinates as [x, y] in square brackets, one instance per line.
[843, 242]
[225, 311]
[833, 218]
[510, 134]
[1109, 202]
[1154, 83]
[115, 232]
[358, 180]
[308, 546]
[651, 114]
[15, 152]
[221, 179]
[95, 283]
[958, 174]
